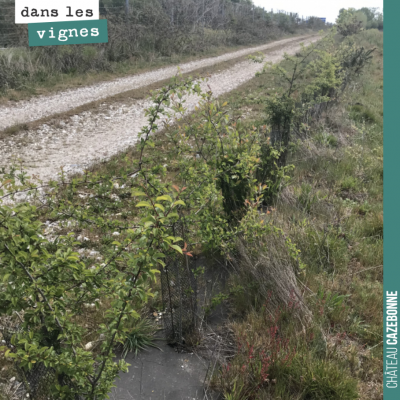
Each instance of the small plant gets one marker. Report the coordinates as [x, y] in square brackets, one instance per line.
[139, 336]
[326, 139]
[238, 392]
[269, 173]
[363, 208]
[331, 301]
[216, 301]
[307, 198]
[348, 183]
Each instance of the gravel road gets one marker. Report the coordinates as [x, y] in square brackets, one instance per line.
[43, 106]
[80, 140]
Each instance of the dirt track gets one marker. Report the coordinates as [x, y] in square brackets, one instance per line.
[85, 138]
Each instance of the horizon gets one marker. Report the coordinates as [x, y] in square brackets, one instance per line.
[312, 8]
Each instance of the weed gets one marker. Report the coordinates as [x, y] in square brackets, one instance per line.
[348, 183]
[215, 302]
[307, 199]
[139, 336]
[326, 139]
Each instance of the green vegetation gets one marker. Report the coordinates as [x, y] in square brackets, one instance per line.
[290, 196]
[140, 336]
[351, 21]
[332, 209]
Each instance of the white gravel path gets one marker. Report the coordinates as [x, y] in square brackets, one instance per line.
[86, 138]
[43, 106]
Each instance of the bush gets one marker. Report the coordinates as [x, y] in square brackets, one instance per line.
[347, 23]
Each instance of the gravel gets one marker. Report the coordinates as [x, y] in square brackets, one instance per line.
[44, 106]
[92, 136]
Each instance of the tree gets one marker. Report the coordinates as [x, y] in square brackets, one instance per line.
[351, 21]
[348, 23]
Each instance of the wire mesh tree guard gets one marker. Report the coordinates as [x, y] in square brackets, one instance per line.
[179, 295]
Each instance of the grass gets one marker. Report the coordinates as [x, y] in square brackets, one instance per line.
[140, 337]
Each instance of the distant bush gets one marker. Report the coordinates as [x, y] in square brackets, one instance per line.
[348, 24]
[351, 21]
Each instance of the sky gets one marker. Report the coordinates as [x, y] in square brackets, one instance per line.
[317, 8]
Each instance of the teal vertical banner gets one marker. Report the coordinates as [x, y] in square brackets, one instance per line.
[391, 203]
[69, 32]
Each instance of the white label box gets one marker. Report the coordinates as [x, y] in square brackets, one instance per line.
[32, 11]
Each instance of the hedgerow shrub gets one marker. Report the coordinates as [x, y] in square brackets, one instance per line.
[129, 219]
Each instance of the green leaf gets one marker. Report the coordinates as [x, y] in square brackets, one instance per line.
[134, 314]
[179, 202]
[143, 204]
[173, 215]
[149, 218]
[159, 255]
[175, 247]
[165, 198]
[138, 194]
[160, 207]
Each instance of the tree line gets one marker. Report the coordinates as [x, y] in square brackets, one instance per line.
[160, 23]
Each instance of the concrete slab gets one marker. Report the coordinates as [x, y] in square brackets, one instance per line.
[162, 375]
